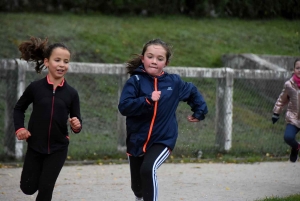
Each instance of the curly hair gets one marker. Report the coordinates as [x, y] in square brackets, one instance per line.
[36, 50]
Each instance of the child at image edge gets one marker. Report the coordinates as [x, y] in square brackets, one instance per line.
[149, 101]
[290, 97]
[53, 101]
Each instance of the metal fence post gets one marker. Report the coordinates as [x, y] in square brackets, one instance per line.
[224, 111]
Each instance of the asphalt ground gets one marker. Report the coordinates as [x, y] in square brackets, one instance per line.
[182, 182]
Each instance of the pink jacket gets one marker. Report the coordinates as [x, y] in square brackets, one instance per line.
[289, 96]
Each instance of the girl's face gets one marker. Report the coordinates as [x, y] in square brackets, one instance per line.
[154, 60]
[297, 69]
[58, 63]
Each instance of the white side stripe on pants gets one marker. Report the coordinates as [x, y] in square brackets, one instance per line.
[160, 159]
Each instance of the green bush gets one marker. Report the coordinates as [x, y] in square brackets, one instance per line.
[252, 9]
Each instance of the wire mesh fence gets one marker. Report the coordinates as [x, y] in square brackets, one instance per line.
[252, 130]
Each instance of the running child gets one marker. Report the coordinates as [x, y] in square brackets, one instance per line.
[290, 97]
[149, 101]
[55, 103]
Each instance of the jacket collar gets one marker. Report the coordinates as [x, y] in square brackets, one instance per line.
[51, 83]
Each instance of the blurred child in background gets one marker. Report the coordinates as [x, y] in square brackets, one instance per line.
[290, 96]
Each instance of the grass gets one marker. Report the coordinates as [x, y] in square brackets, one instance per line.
[109, 39]
[196, 43]
[288, 198]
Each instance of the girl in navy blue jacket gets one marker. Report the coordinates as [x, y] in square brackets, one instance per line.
[149, 101]
[54, 104]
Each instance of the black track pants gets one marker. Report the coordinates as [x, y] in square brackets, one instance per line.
[40, 172]
[143, 172]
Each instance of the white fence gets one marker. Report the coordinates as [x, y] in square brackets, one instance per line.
[225, 79]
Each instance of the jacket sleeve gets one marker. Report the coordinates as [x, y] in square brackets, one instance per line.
[190, 94]
[75, 110]
[21, 106]
[282, 100]
[131, 104]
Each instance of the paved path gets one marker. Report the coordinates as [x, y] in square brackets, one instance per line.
[182, 182]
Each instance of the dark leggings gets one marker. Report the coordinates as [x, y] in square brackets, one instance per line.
[290, 135]
[40, 172]
[143, 171]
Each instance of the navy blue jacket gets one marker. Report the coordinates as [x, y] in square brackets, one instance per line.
[49, 117]
[148, 124]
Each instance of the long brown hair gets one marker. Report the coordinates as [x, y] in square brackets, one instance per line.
[36, 50]
[136, 61]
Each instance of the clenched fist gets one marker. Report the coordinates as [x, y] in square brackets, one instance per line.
[155, 95]
[23, 134]
[192, 119]
[75, 123]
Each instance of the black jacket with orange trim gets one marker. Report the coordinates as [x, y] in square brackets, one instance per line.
[145, 126]
[50, 113]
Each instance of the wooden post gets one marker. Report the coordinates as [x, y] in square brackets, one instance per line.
[223, 125]
[121, 119]
[10, 99]
[15, 71]
[22, 67]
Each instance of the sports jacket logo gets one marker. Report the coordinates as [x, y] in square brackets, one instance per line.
[169, 88]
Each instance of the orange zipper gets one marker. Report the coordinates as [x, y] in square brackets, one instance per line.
[153, 118]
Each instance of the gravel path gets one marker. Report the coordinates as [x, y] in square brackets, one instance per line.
[182, 182]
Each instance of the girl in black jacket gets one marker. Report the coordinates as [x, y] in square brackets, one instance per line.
[55, 103]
